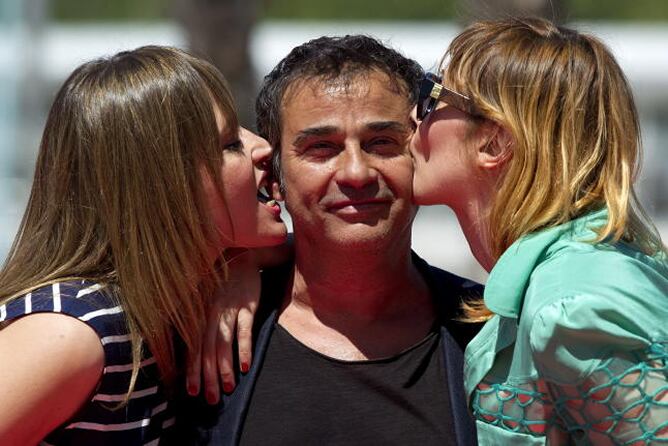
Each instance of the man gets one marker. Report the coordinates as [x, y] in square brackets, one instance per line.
[355, 342]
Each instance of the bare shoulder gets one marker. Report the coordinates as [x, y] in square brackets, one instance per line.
[51, 365]
[52, 334]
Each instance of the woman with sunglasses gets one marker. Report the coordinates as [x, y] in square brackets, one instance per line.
[532, 138]
[144, 182]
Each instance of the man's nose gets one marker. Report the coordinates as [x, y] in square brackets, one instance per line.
[356, 168]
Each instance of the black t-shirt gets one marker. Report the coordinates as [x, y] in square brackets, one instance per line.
[303, 397]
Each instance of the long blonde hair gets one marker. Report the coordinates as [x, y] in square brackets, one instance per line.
[571, 113]
[117, 197]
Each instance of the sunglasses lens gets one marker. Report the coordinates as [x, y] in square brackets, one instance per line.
[424, 108]
[425, 101]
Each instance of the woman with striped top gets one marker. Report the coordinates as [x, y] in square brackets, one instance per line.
[144, 183]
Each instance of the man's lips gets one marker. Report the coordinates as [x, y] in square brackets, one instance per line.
[357, 204]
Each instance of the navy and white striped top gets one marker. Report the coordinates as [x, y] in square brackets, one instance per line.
[148, 415]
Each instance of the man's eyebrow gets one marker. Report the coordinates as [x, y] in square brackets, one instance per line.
[310, 132]
[381, 126]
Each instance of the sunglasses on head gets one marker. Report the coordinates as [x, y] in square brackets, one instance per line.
[432, 91]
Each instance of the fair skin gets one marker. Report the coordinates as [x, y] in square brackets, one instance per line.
[41, 391]
[239, 225]
[241, 218]
[457, 163]
[348, 187]
[232, 315]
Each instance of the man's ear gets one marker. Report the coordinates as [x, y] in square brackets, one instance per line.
[277, 191]
[496, 147]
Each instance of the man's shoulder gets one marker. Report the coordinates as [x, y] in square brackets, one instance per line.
[278, 274]
[456, 283]
[446, 284]
[450, 292]
[274, 283]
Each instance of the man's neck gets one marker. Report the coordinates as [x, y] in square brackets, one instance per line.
[357, 305]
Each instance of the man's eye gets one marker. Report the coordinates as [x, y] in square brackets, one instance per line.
[383, 146]
[235, 146]
[381, 141]
[321, 150]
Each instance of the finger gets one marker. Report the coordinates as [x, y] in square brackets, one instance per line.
[224, 352]
[209, 361]
[245, 338]
[194, 371]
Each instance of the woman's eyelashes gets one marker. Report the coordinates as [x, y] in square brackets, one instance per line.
[234, 146]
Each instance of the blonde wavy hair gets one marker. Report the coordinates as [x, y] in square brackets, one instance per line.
[117, 196]
[571, 113]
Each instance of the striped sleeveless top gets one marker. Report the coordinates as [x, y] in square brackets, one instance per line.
[148, 416]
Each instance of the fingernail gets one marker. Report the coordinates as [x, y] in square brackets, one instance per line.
[211, 398]
[192, 390]
[244, 367]
[228, 388]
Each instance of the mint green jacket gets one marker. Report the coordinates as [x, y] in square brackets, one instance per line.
[578, 349]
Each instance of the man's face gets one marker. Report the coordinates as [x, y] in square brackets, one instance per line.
[346, 169]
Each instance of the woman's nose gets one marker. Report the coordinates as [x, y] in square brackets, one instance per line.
[413, 116]
[258, 147]
[261, 154]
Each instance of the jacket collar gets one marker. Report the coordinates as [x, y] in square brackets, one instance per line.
[509, 279]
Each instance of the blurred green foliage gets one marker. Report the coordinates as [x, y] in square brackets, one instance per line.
[362, 9]
[151, 10]
[632, 10]
[109, 10]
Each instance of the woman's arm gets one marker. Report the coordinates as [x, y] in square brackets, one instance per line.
[607, 380]
[231, 317]
[623, 401]
[51, 364]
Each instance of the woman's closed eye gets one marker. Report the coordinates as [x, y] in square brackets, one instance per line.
[234, 146]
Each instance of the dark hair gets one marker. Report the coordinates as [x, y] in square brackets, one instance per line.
[330, 58]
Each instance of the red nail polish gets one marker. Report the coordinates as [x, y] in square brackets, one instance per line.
[228, 388]
[211, 398]
[244, 367]
[192, 390]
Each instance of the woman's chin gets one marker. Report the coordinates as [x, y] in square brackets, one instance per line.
[421, 198]
[277, 235]
[276, 239]
[264, 239]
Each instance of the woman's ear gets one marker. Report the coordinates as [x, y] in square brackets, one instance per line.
[496, 146]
